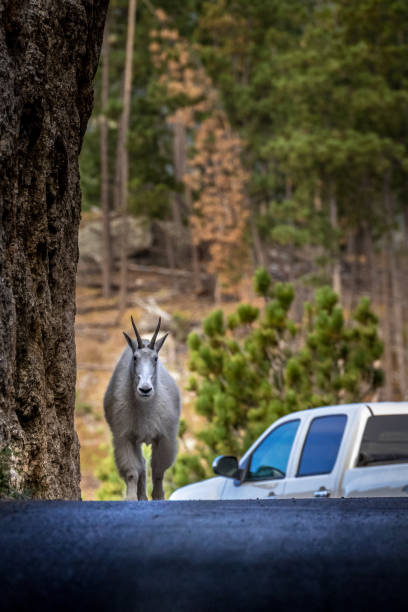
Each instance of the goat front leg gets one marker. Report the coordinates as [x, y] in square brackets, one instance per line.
[131, 467]
[164, 451]
[141, 483]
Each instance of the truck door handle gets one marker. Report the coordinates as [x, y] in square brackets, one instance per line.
[322, 492]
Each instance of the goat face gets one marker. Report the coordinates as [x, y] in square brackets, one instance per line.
[145, 356]
[145, 366]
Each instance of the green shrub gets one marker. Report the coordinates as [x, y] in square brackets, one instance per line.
[263, 366]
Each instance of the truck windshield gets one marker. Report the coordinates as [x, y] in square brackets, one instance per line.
[385, 440]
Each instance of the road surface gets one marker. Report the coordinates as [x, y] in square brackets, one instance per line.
[205, 556]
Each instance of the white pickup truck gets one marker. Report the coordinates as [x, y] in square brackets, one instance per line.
[354, 450]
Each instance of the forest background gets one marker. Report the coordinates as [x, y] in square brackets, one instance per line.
[228, 137]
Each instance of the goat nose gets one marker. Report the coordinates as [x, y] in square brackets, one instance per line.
[145, 389]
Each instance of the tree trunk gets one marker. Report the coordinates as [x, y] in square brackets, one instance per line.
[371, 266]
[171, 261]
[179, 168]
[260, 259]
[387, 324]
[395, 314]
[387, 294]
[353, 264]
[179, 165]
[336, 269]
[48, 56]
[124, 156]
[117, 182]
[397, 310]
[194, 249]
[288, 188]
[106, 233]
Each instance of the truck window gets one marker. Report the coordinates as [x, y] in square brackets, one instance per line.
[385, 440]
[270, 458]
[322, 445]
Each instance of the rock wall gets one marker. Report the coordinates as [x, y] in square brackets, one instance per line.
[49, 51]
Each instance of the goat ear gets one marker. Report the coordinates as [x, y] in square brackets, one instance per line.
[129, 341]
[160, 342]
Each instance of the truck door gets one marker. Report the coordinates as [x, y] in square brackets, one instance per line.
[316, 473]
[265, 469]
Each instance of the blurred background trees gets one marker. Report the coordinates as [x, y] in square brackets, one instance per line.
[266, 134]
[278, 125]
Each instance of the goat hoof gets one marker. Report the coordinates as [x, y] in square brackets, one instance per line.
[156, 496]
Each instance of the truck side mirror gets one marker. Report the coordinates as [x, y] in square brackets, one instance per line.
[226, 465]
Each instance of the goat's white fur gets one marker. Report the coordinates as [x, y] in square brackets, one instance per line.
[135, 420]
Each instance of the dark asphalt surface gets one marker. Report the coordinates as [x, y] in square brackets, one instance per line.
[205, 556]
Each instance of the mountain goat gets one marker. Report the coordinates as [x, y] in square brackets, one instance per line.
[142, 404]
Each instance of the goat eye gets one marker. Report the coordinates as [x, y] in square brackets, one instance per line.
[155, 358]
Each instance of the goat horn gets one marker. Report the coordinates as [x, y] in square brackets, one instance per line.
[139, 340]
[153, 340]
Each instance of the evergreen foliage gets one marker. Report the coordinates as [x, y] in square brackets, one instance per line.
[258, 365]
[316, 90]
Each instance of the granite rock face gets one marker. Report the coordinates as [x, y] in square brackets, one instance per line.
[48, 57]
[139, 238]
